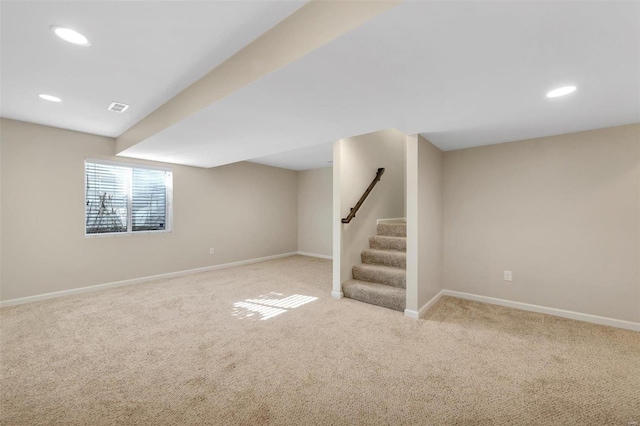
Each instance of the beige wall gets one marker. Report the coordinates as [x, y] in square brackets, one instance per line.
[243, 210]
[561, 212]
[357, 162]
[315, 192]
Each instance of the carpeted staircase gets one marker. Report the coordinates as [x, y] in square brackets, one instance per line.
[381, 277]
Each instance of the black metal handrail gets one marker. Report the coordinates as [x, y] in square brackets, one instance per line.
[354, 209]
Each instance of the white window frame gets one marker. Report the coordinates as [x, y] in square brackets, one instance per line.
[168, 207]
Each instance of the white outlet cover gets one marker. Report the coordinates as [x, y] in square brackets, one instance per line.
[508, 276]
[212, 251]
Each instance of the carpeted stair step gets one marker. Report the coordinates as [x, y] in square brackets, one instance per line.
[392, 229]
[393, 258]
[388, 243]
[375, 294]
[394, 277]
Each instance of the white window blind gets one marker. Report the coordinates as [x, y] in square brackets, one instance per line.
[122, 198]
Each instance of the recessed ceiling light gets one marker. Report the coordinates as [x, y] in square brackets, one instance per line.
[561, 91]
[72, 36]
[50, 98]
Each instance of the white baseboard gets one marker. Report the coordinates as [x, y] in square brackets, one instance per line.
[627, 325]
[411, 314]
[321, 256]
[417, 314]
[337, 294]
[36, 298]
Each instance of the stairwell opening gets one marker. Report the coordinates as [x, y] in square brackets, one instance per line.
[381, 278]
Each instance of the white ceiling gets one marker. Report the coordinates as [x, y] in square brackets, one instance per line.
[461, 73]
[143, 53]
[313, 157]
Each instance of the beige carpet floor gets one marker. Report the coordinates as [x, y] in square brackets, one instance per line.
[252, 346]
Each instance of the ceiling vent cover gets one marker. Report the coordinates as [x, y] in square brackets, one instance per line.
[118, 107]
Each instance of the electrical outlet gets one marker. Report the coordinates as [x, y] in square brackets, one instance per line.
[212, 250]
[508, 276]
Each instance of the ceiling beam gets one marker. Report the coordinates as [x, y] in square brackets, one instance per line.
[313, 25]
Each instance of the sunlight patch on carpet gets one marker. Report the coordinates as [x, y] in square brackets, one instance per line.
[269, 305]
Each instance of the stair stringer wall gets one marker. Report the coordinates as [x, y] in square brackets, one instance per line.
[356, 160]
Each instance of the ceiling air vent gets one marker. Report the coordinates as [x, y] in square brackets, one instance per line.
[118, 107]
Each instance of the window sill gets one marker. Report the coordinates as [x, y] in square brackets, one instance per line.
[124, 234]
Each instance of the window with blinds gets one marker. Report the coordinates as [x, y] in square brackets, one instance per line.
[121, 198]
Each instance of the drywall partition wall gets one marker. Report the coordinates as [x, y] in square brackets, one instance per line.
[430, 221]
[411, 173]
[0, 208]
[244, 211]
[357, 161]
[424, 224]
[562, 213]
[315, 201]
[336, 225]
